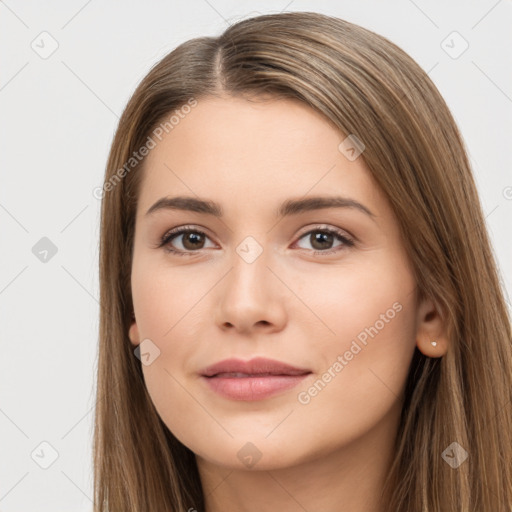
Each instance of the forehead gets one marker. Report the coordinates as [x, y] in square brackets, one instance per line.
[253, 153]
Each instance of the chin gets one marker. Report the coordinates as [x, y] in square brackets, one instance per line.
[253, 452]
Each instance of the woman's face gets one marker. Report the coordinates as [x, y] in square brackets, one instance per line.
[327, 290]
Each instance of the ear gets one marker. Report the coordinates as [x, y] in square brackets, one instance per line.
[133, 333]
[431, 336]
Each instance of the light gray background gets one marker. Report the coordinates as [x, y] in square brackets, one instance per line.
[58, 118]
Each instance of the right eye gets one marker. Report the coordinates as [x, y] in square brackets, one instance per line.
[191, 240]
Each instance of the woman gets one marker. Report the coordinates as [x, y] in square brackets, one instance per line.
[301, 309]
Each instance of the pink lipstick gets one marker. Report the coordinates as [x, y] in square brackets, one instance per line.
[256, 379]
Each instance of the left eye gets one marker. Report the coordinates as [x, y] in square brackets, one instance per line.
[193, 240]
[321, 240]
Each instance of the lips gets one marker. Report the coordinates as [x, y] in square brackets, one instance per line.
[259, 366]
[257, 379]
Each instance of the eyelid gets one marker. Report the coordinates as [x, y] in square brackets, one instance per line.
[327, 227]
[186, 227]
[302, 232]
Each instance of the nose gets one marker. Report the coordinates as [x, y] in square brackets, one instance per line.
[251, 297]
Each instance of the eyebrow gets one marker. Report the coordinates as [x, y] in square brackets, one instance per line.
[287, 208]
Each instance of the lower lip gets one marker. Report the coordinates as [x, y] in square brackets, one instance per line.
[253, 388]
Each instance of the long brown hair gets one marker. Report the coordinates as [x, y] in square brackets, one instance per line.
[367, 86]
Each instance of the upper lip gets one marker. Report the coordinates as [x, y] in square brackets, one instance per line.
[256, 366]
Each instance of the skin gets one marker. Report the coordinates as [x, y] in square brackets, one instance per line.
[289, 304]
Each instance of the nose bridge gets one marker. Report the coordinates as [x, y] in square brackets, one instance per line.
[250, 294]
[250, 267]
[249, 279]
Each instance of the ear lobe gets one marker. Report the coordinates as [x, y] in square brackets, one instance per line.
[431, 337]
[133, 334]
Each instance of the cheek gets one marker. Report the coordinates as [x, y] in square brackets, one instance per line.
[167, 300]
[368, 299]
[171, 314]
[372, 313]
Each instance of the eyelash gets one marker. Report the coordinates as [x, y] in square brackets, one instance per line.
[170, 235]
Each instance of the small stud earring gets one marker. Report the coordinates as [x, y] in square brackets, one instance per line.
[434, 343]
